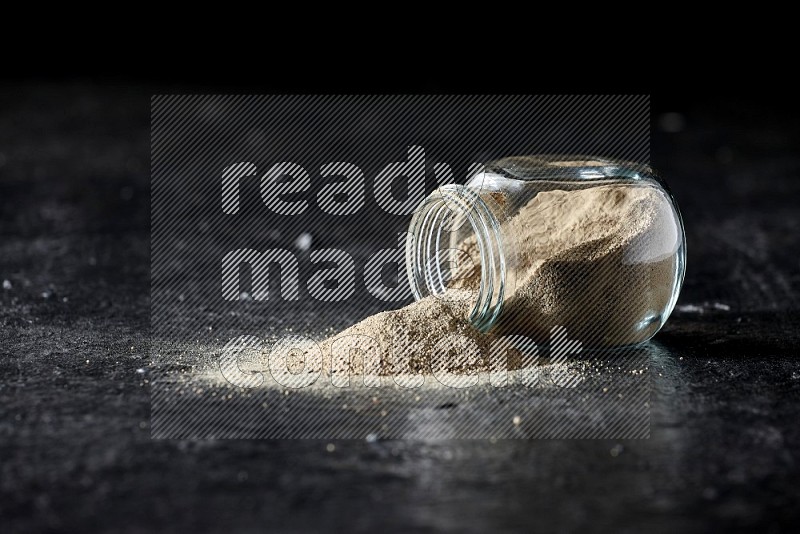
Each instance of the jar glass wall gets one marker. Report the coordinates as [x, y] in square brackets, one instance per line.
[594, 246]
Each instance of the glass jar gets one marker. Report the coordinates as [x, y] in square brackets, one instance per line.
[534, 243]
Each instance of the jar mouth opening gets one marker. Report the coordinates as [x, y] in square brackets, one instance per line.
[449, 217]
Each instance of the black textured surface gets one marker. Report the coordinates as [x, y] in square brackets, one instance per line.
[75, 452]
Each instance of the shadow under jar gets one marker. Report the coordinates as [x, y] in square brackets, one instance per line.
[591, 245]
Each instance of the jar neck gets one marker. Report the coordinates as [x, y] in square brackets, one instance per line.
[457, 210]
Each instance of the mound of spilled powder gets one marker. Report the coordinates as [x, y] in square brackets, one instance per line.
[413, 334]
[600, 262]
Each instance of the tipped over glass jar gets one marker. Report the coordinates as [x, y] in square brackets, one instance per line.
[595, 246]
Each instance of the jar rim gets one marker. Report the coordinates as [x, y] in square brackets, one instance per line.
[423, 252]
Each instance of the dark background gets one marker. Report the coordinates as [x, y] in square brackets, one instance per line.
[75, 452]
